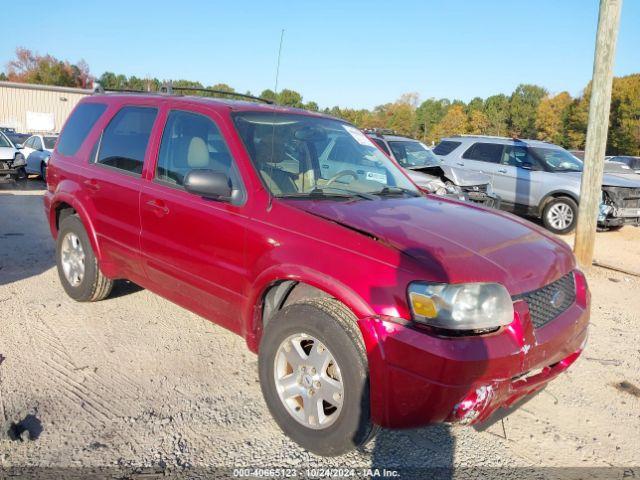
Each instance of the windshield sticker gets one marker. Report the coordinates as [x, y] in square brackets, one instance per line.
[359, 137]
[378, 177]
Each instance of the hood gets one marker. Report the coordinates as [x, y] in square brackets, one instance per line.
[421, 178]
[611, 180]
[467, 243]
[7, 153]
[462, 178]
[465, 178]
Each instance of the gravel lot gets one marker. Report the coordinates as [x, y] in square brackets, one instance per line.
[137, 381]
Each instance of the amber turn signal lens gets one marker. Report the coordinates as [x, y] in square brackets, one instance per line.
[423, 305]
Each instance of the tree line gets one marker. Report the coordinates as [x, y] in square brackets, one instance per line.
[530, 111]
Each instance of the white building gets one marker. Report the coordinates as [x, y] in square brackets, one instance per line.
[30, 108]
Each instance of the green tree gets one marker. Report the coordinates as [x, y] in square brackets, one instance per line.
[523, 108]
[290, 98]
[428, 115]
[496, 109]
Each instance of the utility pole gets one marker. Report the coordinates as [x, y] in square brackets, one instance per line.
[596, 144]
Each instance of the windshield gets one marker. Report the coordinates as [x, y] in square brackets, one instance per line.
[557, 159]
[410, 153]
[4, 141]
[300, 155]
[49, 142]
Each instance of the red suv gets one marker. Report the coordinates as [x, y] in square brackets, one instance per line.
[368, 303]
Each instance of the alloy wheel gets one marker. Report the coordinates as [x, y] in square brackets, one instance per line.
[308, 381]
[560, 216]
[72, 259]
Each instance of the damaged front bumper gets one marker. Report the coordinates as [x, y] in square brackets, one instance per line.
[419, 378]
[11, 169]
[619, 206]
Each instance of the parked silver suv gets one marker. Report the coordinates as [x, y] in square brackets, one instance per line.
[540, 179]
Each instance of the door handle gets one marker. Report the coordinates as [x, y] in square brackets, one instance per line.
[460, 163]
[502, 170]
[92, 184]
[159, 207]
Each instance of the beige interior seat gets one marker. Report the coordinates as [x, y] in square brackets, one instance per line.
[198, 153]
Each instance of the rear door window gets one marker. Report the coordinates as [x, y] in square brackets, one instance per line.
[124, 141]
[484, 152]
[446, 147]
[78, 126]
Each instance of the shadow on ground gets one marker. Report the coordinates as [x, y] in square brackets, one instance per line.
[26, 247]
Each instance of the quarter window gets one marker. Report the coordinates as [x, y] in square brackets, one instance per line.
[78, 126]
[124, 141]
[446, 147]
[484, 152]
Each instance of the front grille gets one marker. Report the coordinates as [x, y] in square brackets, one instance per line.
[548, 302]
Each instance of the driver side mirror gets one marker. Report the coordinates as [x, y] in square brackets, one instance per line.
[208, 184]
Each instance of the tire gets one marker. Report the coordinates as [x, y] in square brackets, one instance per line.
[334, 328]
[43, 172]
[614, 228]
[560, 215]
[92, 285]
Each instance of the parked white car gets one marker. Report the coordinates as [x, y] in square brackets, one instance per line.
[11, 160]
[37, 150]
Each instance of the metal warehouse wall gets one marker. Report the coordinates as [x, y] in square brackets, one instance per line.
[37, 108]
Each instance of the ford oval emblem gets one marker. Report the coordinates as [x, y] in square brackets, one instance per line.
[557, 299]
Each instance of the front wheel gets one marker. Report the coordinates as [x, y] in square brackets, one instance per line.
[314, 376]
[560, 215]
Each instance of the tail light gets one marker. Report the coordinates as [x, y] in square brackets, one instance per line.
[582, 289]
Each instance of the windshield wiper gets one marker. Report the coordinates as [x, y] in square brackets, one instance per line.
[322, 193]
[394, 191]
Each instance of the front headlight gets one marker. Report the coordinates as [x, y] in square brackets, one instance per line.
[466, 306]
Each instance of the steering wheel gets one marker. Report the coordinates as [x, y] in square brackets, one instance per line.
[343, 173]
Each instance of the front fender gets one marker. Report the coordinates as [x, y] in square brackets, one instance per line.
[298, 273]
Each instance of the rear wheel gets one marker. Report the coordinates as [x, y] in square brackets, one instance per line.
[77, 265]
[314, 376]
[560, 215]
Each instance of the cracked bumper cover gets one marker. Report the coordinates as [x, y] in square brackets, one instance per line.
[419, 379]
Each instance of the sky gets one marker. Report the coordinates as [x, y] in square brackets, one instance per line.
[349, 53]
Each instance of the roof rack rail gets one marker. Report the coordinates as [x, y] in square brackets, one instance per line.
[169, 89]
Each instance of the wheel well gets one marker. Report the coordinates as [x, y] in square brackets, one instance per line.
[554, 195]
[284, 293]
[63, 210]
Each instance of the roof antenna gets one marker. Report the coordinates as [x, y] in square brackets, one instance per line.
[273, 131]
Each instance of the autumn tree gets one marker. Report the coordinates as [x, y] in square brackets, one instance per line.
[29, 67]
[453, 123]
[551, 118]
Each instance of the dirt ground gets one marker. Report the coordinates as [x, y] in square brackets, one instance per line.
[137, 381]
